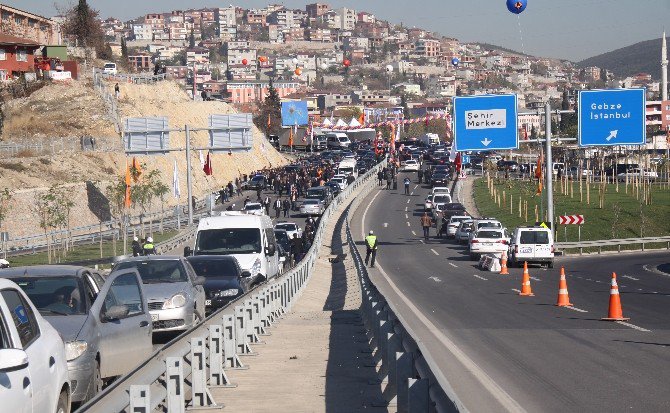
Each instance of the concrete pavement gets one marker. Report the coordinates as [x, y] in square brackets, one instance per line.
[314, 359]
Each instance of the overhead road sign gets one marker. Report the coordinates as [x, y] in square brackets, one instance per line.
[571, 219]
[146, 135]
[612, 117]
[230, 132]
[485, 122]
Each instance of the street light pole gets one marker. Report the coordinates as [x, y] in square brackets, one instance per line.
[550, 168]
[188, 175]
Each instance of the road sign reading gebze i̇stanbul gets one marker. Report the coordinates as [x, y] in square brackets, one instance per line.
[485, 122]
[612, 117]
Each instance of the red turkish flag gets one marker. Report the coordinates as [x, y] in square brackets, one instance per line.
[458, 162]
[208, 166]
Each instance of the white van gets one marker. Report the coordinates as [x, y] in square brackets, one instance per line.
[337, 140]
[532, 245]
[109, 69]
[347, 167]
[248, 238]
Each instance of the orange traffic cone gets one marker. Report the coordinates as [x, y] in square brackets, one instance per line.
[525, 284]
[503, 264]
[563, 297]
[615, 312]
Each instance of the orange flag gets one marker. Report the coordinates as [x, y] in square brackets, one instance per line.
[127, 181]
[290, 138]
[136, 170]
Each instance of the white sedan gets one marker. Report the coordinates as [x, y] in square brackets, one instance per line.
[428, 203]
[312, 207]
[291, 228]
[441, 190]
[454, 223]
[488, 241]
[254, 208]
[411, 165]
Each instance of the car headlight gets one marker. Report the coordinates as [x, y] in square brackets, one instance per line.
[74, 349]
[256, 268]
[231, 292]
[176, 301]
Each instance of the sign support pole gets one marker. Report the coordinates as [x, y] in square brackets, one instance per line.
[189, 203]
[550, 168]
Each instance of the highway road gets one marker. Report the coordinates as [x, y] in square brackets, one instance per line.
[501, 351]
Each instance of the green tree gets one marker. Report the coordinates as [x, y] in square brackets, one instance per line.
[191, 40]
[5, 199]
[124, 48]
[53, 209]
[270, 108]
[82, 24]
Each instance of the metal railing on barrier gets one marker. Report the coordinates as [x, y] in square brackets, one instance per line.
[414, 381]
[188, 366]
[599, 244]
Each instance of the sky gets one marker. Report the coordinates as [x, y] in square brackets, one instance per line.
[567, 29]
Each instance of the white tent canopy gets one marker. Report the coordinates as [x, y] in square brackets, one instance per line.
[327, 122]
[354, 123]
[340, 123]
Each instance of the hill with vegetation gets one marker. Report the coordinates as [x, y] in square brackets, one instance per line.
[642, 57]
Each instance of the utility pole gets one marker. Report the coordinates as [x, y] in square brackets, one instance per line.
[188, 175]
[549, 168]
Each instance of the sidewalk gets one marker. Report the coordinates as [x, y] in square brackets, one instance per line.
[312, 361]
[467, 196]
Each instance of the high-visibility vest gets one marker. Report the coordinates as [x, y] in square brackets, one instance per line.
[371, 241]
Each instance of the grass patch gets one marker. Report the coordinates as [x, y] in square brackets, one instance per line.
[623, 215]
[85, 252]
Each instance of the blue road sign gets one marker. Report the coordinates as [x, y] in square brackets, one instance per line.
[612, 117]
[485, 122]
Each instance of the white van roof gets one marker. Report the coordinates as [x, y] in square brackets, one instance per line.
[235, 219]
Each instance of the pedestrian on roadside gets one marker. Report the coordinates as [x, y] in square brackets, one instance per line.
[419, 174]
[426, 223]
[286, 206]
[407, 182]
[277, 206]
[266, 204]
[148, 247]
[371, 248]
[117, 91]
[389, 180]
[137, 248]
[247, 200]
[380, 177]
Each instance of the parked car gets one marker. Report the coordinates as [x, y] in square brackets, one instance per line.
[463, 232]
[454, 223]
[454, 208]
[488, 240]
[175, 293]
[33, 365]
[257, 182]
[428, 203]
[322, 193]
[575, 172]
[334, 187]
[439, 179]
[337, 140]
[224, 279]
[637, 173]
[105, 324]
[312, 207]
[440, 190]
[411, 165]
[531, 245]
[109, 69]
[291, 228]
[254, 208]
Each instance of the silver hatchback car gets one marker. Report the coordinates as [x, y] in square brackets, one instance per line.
[175, 293]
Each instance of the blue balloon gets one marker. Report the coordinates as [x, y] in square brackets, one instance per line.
[455, 61]
[517, 6]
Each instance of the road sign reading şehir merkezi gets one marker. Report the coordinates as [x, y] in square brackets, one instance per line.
[612, 117]
[485, 122]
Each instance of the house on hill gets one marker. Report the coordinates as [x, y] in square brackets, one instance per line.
[17, 56]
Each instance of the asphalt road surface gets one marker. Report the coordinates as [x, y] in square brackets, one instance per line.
[501, 351]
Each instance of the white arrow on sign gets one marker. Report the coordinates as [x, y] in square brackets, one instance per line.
[612, 135]
[487, 141]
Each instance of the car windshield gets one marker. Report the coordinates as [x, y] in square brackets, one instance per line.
[458, 219]
[156, 271]
[250, 207]
[489, 234]
[282, 237]
[489, 225]
[311, 202]
[315, 193]
[287, 226]
[257, 178]
[534, 237]
[110, 66]
[213, 268]
[57, 295]
[226, 241]
[441, 198]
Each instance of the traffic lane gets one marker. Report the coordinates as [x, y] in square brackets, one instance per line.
[521, 326]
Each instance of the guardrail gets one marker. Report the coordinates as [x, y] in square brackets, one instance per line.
[185, 367]
[415, 383]
[613, 243]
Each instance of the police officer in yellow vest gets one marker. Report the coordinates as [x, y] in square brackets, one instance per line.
[148, 247]
[371, 245]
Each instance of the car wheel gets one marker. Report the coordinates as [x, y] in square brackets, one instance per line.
[96, 383]
[63, 405]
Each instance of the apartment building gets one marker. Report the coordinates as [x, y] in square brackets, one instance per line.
[318, 35]
[257, 17]
[197, 55]
[592, 73]
[356, 43]
[328, 101]
[348, 18]
[143, 31]
[237, 56]
[140, 61]
[365, 17]
[315, 10]
[16, 56]
[428, 48]
[29, 26]
[287, 18]
[254, 92]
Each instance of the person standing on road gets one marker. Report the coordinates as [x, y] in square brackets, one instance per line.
[371, 248]
[117, 91]
[389, 180]
[149, 248]
[278, 205]
[407, 182]
[426, 223]
[419, 174]
[286, 205]
[266, 204]
[380, 178]
[137, 248]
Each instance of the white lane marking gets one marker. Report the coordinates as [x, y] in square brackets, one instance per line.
[633, 326]
[411, 193]
[535, 278]
[406, 216]
[639, 289]
[437, 280]
[408, 224]
[416, 186]
[588, 279]
[480, 277]
[453, 265]
[408, 201]
[421, 241]
[576, 309]
[487, 382]
[630, 278]
[515, 290]
[405, 209]
[413, 233]
[435, 252]
[386, 224]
